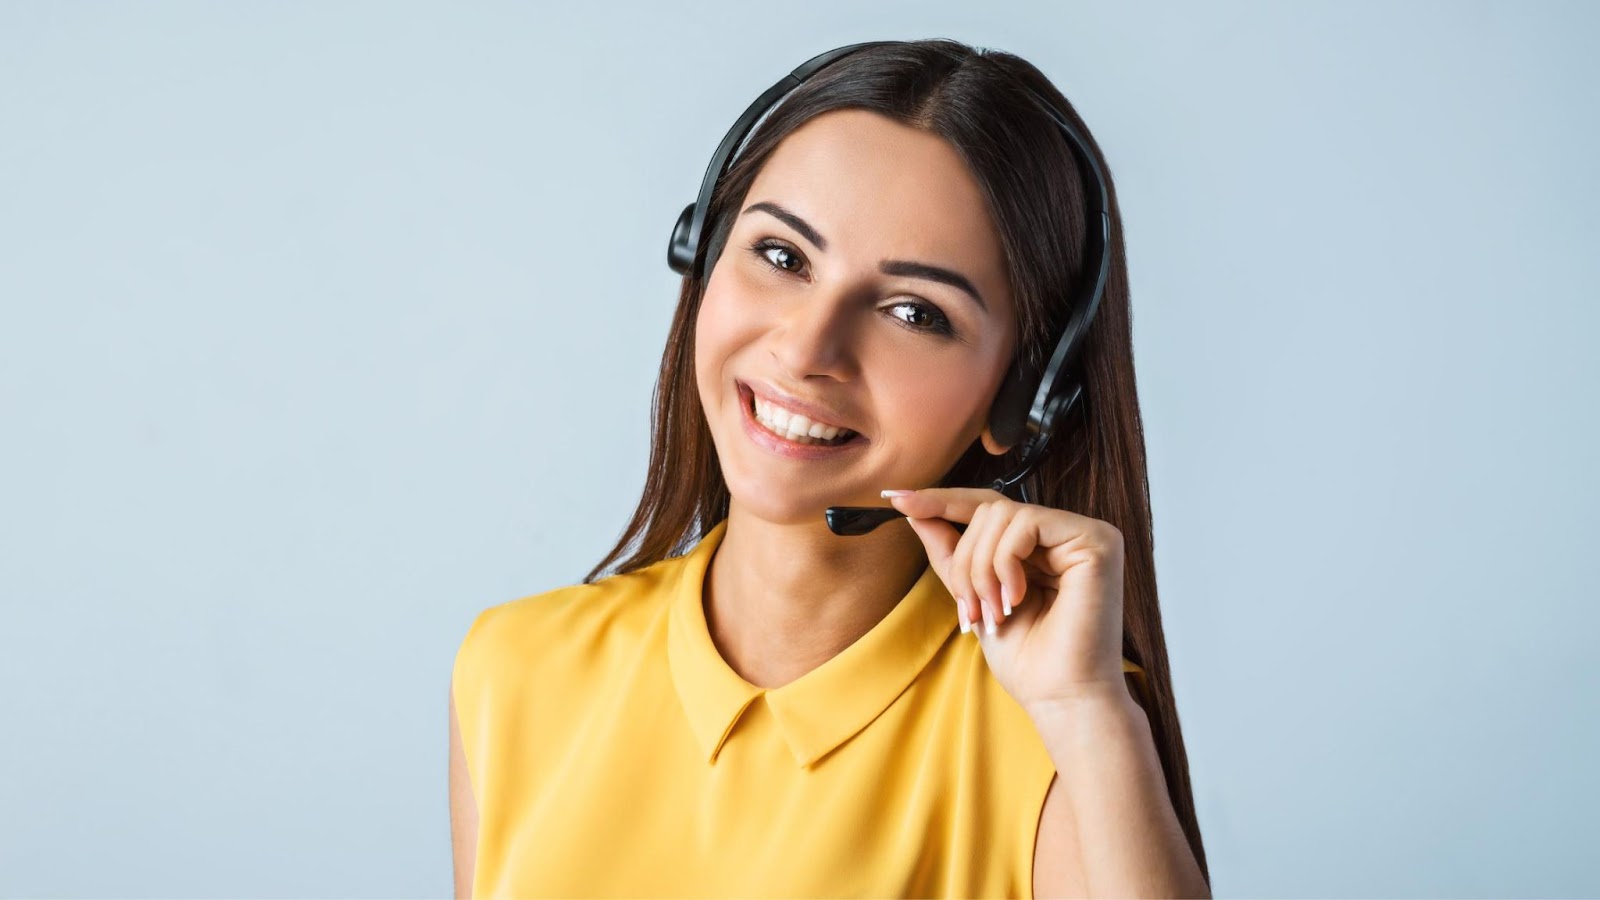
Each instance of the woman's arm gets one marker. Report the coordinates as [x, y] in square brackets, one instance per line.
[463, 809]
[1128, 836]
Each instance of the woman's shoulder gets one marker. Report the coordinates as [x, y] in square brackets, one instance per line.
[612, 609]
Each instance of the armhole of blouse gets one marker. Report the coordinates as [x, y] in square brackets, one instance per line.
[466, 684]
[1133, 674]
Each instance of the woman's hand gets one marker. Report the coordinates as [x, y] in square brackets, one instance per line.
[1061, 574]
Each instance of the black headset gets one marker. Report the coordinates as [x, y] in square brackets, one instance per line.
[1022, 413]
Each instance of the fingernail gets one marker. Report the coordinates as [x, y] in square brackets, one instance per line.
[887, 494]
[988, 619]
[961, 615]
[1005, 598]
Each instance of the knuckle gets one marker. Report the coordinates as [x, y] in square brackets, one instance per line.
[1109, 538]
[984, 575]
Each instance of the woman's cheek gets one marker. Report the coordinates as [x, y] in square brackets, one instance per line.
[711, 341]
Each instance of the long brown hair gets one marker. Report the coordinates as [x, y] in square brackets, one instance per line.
[1096, 462]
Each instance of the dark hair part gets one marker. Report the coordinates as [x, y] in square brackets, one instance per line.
[1026, 170]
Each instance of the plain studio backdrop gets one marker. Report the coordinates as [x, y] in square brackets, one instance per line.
[328, 325]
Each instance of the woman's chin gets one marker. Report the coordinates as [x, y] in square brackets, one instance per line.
[781, 510]
[793, 504]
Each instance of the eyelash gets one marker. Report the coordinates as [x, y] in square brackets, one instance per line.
[941, 325]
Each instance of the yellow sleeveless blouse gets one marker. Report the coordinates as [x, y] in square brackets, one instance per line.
[613, 752]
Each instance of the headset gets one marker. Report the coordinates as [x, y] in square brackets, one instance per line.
[1023, 411]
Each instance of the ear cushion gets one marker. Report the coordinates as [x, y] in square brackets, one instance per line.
[1008, 415]
[680, 254]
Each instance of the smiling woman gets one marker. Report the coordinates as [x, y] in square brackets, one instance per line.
[833, 307]
[750, 704]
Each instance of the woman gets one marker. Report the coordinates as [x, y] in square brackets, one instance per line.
[751, 704]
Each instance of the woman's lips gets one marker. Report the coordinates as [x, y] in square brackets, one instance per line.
[812, 412]
[782, 446]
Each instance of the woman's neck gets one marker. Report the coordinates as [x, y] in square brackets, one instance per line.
[782, 599]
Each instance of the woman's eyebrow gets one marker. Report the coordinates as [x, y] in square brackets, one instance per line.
[903, 267]
[790, 219]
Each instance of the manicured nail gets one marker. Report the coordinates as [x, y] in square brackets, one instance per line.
[988, 619]
[961, 615]
[888, 494]
[1005, 598]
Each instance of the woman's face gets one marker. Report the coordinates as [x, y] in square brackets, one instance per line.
[800, 306]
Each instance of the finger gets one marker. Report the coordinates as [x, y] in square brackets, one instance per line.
[1063, 533]
[1015, 544]
[958, 574]
[955, 504]
[1061, 538]
[989, 522]
[939, 539]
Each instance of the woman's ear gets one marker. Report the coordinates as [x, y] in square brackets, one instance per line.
[990, 444]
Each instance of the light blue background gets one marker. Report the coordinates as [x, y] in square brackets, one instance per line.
[326, 326]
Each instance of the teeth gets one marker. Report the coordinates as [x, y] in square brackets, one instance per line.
[795, 427]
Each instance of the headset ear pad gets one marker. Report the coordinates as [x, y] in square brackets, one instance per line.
[680, 254]
[1008, 415]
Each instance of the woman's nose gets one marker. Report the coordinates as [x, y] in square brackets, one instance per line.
[817, 337]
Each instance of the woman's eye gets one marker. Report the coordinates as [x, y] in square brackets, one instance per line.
[931, 319]
[784, 255]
